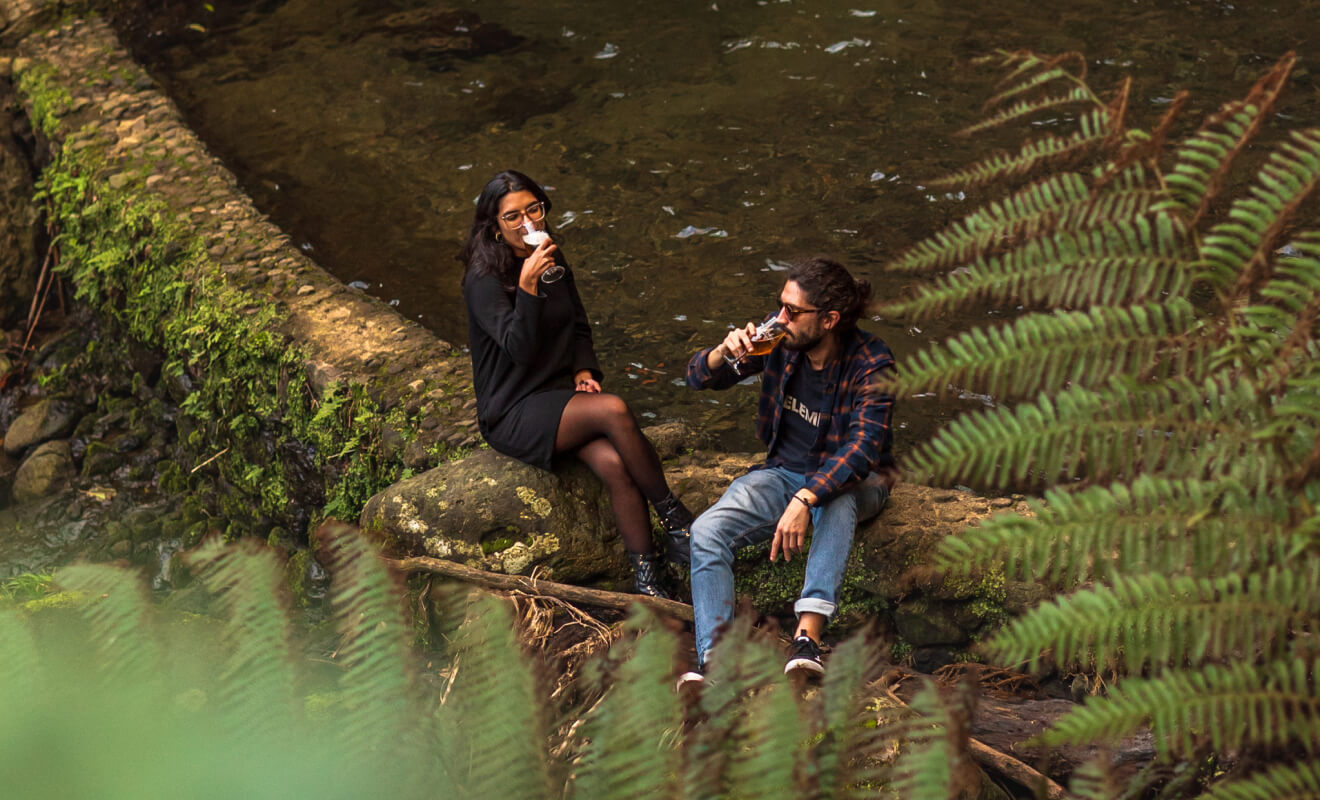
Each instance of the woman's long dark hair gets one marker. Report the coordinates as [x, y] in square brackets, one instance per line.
[482, 253]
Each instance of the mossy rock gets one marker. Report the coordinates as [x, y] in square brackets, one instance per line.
[496, 513]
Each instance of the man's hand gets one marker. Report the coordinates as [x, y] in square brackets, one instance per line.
[734, 346]
[791, 532]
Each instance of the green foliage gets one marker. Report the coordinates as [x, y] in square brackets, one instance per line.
[28, 586]
[1161, 387]
[926, 772]
[224, 706]
[48, 98]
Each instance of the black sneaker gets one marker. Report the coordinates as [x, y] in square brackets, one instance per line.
[805, 657]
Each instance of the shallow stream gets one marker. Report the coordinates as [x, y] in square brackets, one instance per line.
[691, 147]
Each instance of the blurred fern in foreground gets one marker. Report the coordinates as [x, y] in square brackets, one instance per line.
[107, 696]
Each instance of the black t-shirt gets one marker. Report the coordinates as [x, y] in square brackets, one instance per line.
[805, 416]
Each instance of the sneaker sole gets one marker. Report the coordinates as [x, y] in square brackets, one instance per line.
[689, 679]
[805, 665]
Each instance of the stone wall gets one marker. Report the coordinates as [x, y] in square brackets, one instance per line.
[294, 389]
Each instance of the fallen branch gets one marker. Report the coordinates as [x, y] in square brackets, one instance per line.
[1011, 768]
[563, 591]
[984, 754]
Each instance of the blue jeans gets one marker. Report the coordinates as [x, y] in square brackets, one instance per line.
[747, 514]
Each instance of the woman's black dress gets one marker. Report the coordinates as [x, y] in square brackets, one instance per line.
[525, 351]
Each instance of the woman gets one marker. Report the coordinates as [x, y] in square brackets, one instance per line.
[537, 378]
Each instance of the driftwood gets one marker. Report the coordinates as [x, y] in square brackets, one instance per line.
[988, 757]
[598, 598]
[1013, 769]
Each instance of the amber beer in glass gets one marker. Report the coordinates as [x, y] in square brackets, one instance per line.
[763, 339]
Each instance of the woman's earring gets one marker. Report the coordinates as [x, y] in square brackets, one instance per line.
[499, 237]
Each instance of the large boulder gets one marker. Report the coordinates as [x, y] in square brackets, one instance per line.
[493, 512]
[46, 419]
[47, 470]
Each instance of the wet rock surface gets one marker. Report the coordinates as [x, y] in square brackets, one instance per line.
[45, 471]
[48, 418]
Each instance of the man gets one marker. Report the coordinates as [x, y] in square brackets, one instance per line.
[826, 425]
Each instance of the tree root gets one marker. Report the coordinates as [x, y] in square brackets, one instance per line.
[599, 598]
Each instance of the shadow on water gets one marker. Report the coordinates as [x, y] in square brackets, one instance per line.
[691, 148]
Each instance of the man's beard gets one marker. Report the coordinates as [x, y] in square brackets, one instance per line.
[792, 343]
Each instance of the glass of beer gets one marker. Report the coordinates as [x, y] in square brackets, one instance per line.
[533, 236]
[764, 339]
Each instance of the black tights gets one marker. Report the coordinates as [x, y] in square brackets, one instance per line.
[600, 429]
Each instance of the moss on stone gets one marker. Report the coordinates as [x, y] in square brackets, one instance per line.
[495, 545]
[774, 588]
[57, 602]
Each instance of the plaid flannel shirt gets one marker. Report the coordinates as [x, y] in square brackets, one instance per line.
[859, 438]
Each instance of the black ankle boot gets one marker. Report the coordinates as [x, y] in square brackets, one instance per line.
[646, 575]
[677, 522]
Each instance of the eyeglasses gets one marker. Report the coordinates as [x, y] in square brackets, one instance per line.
[794, 313]
[534, 212]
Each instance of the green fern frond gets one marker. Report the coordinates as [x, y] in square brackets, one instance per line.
[1094, 128]
[1025, 108]
[1201, 158]
[770, 739]
[722, 753]
[853, 665]
[1153, 525]
[1153, 620]
[373, 652]
[492, 725]
[1046, 352]
[1032, 73]
[1059, 203]
[1300, 781]
[634, 732]
[1119, 262]
[1022, 214]
[1236, 253]
[1207, 158]
[1228, 708]
[1120, 430]
[1271, 337]
[257, 681]
[1117, 202]
[124, 645]
[1092, 781]
[924, 769]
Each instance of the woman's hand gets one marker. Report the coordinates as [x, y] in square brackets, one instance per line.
[583, 382]
[535, 265]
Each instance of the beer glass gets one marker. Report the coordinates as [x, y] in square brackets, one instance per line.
[764, 339]
[533, 236]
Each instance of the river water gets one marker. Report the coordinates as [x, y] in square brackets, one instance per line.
[691, 148]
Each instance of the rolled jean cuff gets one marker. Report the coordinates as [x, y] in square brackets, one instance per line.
[814, 605]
